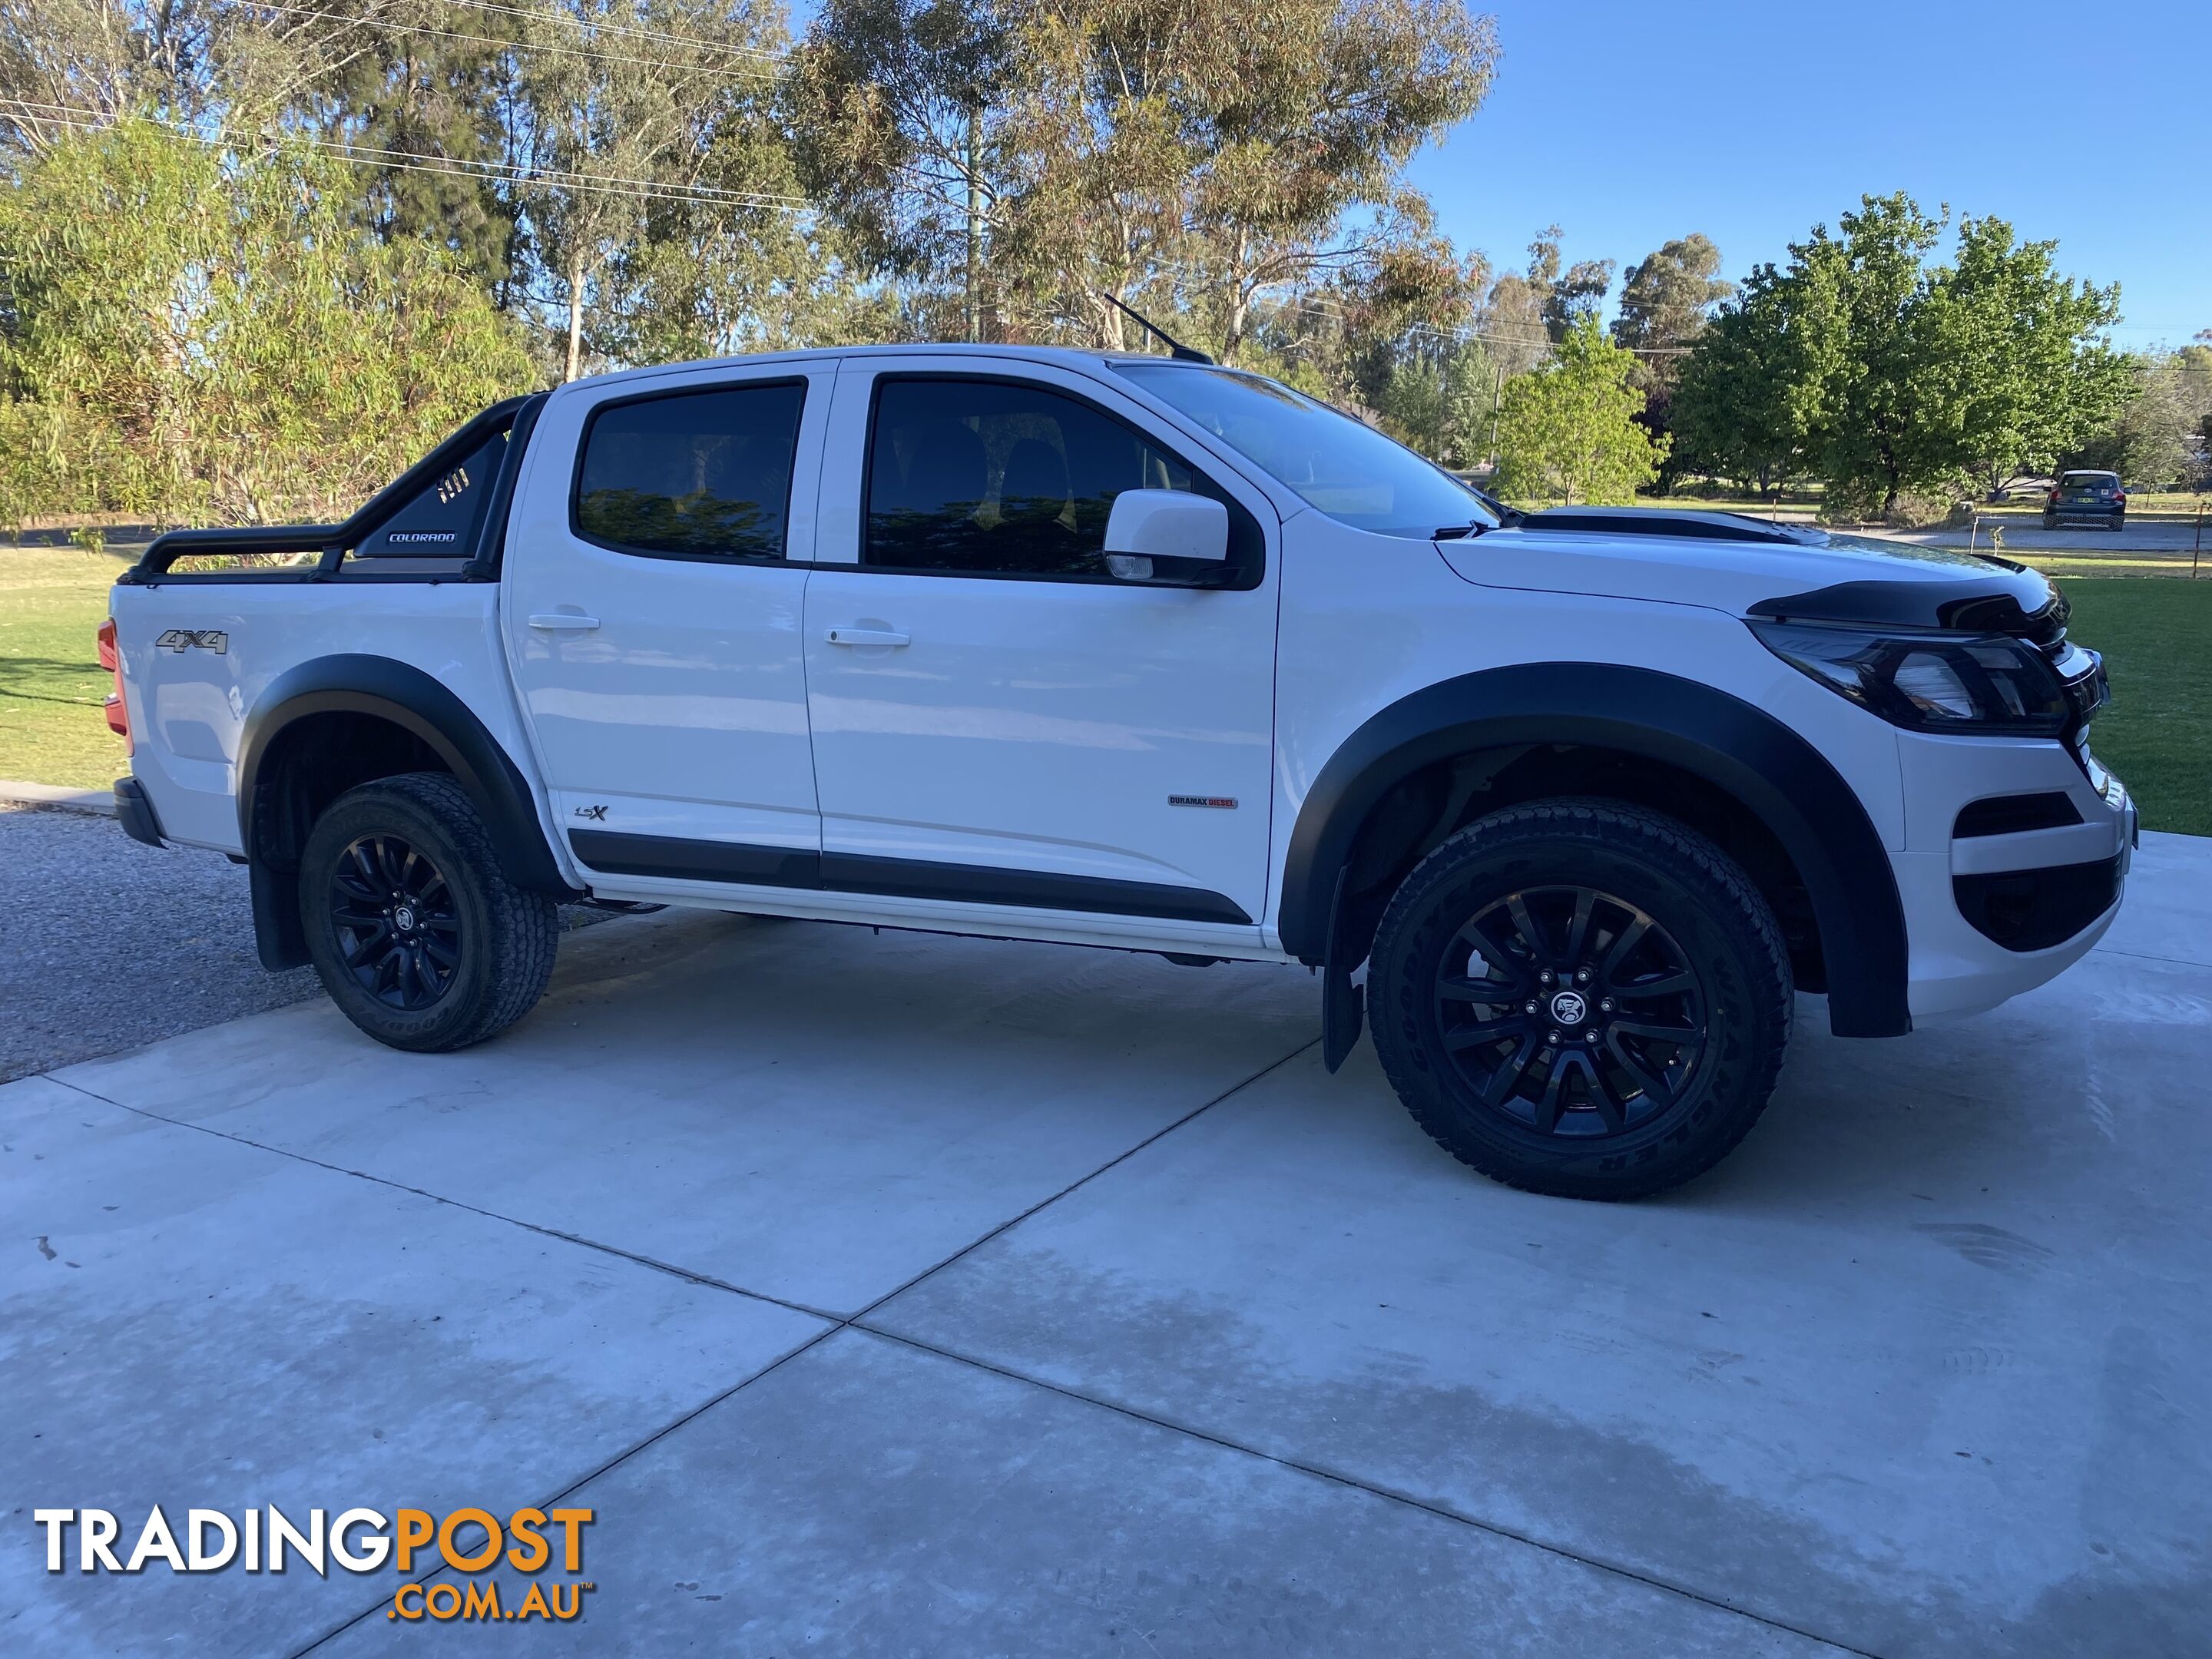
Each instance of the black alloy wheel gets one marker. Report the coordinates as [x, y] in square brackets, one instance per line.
[411, 922]
[1581, 997]
[397, 922]
[1571, 1011]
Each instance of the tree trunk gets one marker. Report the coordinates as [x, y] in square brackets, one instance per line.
[576, 315]
[1240, 302]
[974, 228]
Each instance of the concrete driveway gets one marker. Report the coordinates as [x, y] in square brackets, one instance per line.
[888, 1294]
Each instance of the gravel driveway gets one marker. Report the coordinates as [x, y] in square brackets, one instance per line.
[105, 944]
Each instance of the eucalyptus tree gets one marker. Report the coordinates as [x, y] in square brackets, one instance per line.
[898, 110]
[645, 148]
[1232, 148]
[1666, 298]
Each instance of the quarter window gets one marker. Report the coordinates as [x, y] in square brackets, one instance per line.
[995, 478]
[695, 473]
[436, 532]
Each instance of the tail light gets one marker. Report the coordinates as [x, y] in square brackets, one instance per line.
[118, 717]
[2121, 496]
[2053, 498]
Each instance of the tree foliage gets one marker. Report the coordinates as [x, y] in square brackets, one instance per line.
[1568, 431]
[1741, 407]
[1886, 374]
[1666, 299]
[2162, 433]
[199, 334]
[624, 181]
[1192, 155]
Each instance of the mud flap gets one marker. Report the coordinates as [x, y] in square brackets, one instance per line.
[1343, 1005]
[279, 936]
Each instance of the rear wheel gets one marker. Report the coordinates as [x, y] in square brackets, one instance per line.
[1581, 998]
[417, 933]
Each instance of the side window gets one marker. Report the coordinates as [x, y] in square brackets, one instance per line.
[437, 530]
[994, 478]
[697, 473]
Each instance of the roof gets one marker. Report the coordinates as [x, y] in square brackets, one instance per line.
[1071, 356]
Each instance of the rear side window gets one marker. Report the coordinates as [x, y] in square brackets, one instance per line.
[998, 478]
[437, 530]
[697, 474]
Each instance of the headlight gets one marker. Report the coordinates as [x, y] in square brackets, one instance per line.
[1979, 682]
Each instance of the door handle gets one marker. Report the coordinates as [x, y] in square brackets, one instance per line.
[850, 636]
[564, 621]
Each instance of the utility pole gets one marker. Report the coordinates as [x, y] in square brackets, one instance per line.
[1497, 402]
[975, 226]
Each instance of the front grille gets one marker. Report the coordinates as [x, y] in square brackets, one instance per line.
[2080, 669]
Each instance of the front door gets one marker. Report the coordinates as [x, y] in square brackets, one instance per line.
[653, 608]
[996, 719]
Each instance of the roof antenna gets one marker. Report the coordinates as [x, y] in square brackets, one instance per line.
[1176, 348]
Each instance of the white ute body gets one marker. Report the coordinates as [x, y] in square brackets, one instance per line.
[1128, 764]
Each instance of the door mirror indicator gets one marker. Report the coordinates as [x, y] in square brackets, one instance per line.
[1168, 536]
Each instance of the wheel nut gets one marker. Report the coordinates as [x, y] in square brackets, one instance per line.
[1554, 1037]
[1604, 1005]
[1583, 978]
[1545, 976]
[1527, 1007]
[1589, 1036]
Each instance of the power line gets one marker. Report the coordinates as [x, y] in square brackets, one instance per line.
[513, 174]
[593, 25]
[351, 21]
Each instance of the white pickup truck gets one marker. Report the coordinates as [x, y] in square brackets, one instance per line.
[1144, 653]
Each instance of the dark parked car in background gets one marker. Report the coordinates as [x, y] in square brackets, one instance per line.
[2083, 496]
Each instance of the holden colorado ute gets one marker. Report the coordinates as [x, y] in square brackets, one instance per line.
[1148, 654]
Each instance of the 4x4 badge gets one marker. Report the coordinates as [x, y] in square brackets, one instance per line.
[181, 640]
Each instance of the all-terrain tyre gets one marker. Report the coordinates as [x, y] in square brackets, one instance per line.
[418, 935]
[1581, 998]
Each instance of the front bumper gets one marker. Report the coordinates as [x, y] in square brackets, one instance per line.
[1990, 915]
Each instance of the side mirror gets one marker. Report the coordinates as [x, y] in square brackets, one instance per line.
[1168, 536]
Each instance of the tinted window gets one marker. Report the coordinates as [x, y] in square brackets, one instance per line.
[1348, 470]
[440, 524]
[991, 478]
[696, 472]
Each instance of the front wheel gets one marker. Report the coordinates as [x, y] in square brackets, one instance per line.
[1581, 998]
[418, 935]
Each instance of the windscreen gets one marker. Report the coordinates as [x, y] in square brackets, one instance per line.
[1348, 470]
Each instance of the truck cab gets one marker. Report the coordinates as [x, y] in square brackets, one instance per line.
[1148, 654]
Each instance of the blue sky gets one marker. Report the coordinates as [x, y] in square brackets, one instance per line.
[1626, 124]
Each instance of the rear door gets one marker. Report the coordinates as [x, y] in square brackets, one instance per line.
[998, 720]
[654, 581]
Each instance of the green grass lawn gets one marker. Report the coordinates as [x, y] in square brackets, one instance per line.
[2157, 641]
[51, 601]
[2156, 636]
